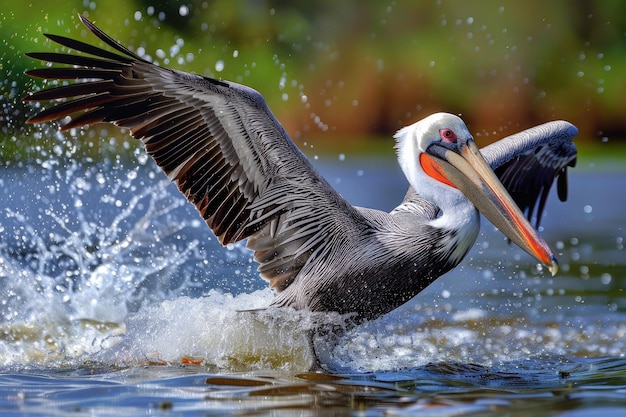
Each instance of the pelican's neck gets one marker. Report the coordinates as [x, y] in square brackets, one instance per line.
[457, 214]
[458, 218]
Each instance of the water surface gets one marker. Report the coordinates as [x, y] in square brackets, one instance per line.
[118, 300]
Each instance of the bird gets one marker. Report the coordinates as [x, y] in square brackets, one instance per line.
[219, 142]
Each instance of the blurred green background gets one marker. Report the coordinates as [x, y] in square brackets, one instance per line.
[344, 72]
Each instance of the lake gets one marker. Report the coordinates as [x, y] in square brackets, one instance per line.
[117, 300]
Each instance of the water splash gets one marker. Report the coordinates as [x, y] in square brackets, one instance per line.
[69, 272]
[218, 331]
[108, 263]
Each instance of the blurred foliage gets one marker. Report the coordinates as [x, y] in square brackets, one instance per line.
[339, 69]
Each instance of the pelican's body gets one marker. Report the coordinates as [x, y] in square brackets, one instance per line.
[221, 145]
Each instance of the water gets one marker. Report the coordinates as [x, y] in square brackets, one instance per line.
[117, 300]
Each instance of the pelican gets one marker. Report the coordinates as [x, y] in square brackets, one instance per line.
[221, 145]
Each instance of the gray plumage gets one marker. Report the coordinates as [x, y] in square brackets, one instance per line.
[229, 156]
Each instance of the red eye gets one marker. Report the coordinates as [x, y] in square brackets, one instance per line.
[447, 135]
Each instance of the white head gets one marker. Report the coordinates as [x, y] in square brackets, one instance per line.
[443, 164]
[412, 142]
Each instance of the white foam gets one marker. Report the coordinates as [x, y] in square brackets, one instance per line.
[213, 330]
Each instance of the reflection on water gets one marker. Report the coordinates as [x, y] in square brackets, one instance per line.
[105, 269]
[532, 388]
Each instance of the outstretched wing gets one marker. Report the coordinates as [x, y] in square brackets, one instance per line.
[528, 162]
[218, 141]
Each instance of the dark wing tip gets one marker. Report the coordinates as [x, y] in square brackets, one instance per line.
[107, 39]
[529, 163]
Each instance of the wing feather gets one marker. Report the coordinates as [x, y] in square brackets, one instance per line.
[218, 141]
[529, 162]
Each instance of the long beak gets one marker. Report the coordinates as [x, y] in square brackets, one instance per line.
[467, 170]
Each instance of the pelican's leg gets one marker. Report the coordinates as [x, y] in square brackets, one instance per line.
[328, 334]
[316, 366]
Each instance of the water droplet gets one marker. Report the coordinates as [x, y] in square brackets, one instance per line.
[219, 66]
[183, 10]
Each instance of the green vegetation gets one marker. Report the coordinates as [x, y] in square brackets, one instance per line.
[336, 69]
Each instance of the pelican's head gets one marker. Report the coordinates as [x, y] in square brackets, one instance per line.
[440, 159]
[442, 131]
